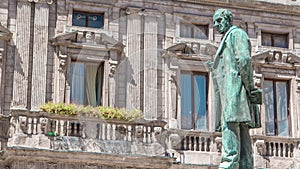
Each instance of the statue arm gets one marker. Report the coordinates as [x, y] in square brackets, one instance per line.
[242, 51]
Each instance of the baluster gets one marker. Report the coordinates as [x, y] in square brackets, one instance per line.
[211, 145]
[185, 143]
[108, 131]
[195, 143]
[34, 126]
[113, 132]
[74, 129]
[270, 149]
[201, 148]
[145, 134]
[98, 131]
[62, 123]
[149, 135]
[39, 127]
[154, 140]
[205, 144]
[190, 143]
[129, 133]
[292, 146]
[29, 129]
[56, 127]
[103, 131]
[284, 146]
[68, 128]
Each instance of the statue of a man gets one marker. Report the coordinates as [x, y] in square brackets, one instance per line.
[235, 95]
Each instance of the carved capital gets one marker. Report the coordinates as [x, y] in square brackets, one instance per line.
[35, 1]
[62, 56]
[113, 64]
[257, 81]
[42, 1]
[298, 85]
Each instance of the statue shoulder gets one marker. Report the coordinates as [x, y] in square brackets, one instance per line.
[238, 30]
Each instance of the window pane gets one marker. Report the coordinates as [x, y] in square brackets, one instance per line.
[185, 30]
[266, 39]
[79, 19]
[200, 102]
[77, 83]
[269, 107]
[186, 101]
[201, 31]
[95, 21]
[282, 113]
[280, 40]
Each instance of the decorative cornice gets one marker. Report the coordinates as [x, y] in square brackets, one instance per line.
[276, 57]
[253, 5]
[42, 1]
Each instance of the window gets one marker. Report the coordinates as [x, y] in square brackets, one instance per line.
[275, 40]
[86, 83]
[193, 89]
[193, 31]
[84, 19]
[276, 107]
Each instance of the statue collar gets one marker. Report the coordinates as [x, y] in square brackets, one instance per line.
[220, 49]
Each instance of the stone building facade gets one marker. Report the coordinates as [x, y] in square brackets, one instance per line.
[139, 54]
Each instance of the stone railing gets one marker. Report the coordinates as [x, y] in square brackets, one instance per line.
[195, 141]
[42, 130]
[275, 146]
[212, 142]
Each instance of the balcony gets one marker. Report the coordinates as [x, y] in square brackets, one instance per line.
[87, 134]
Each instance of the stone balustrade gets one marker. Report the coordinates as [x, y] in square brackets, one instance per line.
[91, 134]
[196, 141]
[275, 146]
[212, 142]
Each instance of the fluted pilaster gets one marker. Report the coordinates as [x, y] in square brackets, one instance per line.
[40, 45]
[134, 61]
[150, 67]
[22, 54]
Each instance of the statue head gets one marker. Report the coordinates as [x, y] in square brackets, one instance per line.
[222, 20]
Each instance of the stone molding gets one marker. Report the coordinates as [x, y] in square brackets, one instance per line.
[42, 1]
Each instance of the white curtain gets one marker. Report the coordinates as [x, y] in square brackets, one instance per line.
[77, 83]
[91, 75]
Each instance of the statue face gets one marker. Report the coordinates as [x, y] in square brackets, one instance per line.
[221, 23]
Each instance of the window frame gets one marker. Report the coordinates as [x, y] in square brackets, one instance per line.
[272, 34]
[193, 26]
[101, 64]
[276, 123]
[87, 18]
[193, 117]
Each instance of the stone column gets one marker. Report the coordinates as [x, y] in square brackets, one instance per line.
[40, 45]
[22, 54]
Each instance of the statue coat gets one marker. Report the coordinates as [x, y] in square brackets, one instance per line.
[233, 80]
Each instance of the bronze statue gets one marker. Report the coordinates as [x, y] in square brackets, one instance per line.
[236, 97]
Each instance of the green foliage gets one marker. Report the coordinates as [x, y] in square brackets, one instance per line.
[101, 112]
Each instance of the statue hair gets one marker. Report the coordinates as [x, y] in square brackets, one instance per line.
[226, 14]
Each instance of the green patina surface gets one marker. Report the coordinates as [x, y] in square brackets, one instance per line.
[236, 97]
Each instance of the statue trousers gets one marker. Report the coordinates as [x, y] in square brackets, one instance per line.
[236, 146]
